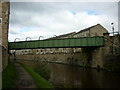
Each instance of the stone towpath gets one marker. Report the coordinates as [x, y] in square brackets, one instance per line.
[25, 80]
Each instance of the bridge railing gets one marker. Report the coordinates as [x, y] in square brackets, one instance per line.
[58, 43]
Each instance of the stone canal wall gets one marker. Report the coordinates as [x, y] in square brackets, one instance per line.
[112, 62]
[89, 57]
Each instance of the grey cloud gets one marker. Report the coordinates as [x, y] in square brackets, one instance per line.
[40, 7]
[31, 8]
[23, 13]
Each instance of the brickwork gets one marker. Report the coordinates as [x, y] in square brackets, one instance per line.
[0, 24]
[74, 58]
[113, 44]
[4, 14]
[96, 30]
[0, 37]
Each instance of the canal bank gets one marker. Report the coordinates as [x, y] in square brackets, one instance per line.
[76, 77]
[106, 62]
[39, 81]
[18, 75]
[9, 76]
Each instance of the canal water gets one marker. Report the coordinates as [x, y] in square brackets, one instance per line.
[67, 76]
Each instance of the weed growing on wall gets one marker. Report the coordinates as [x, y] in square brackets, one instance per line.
[43, 71]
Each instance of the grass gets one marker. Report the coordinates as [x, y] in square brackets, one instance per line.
[40, 82]
[9, 76]
[42, 71]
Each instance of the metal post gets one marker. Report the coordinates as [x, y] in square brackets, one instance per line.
[112, 28]
[14, 53]
[113, 37]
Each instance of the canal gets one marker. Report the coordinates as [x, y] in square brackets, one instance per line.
[79, 77]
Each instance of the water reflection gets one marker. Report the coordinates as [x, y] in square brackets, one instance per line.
[1, 80]
[77, 77]
[82, 77]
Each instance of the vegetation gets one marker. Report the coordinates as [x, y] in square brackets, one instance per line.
[67, 86]
[112, 67]
[42, 71]
[40, 82]
[9, 76]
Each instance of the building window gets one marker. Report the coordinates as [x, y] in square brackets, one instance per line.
[0, 20]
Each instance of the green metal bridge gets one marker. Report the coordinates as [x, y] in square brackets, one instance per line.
[58, 43]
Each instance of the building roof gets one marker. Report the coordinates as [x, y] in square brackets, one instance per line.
[62, 36]
[73, 33]
[87, 29]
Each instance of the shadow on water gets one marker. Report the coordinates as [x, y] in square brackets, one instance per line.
[0, 80]
[65, 76]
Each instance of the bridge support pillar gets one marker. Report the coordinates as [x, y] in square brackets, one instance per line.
[97, 57]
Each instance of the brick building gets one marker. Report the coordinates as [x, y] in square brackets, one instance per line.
[96, 30]
[4, 26]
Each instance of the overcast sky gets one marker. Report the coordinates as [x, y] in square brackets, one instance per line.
[34, 19]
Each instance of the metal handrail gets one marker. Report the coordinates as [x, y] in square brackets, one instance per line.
[55, 36]
[16, 39]
[27, 38]
[40, 37]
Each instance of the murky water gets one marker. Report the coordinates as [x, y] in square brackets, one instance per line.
[1, 80]
[78, 77]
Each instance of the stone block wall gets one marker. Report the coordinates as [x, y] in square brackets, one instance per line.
[0, 37]
[111, 53]
[98, 30]
[4, 14]
[81, 58]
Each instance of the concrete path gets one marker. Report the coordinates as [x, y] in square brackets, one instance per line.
[25, 80]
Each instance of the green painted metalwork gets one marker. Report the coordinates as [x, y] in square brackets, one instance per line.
[59, 43]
